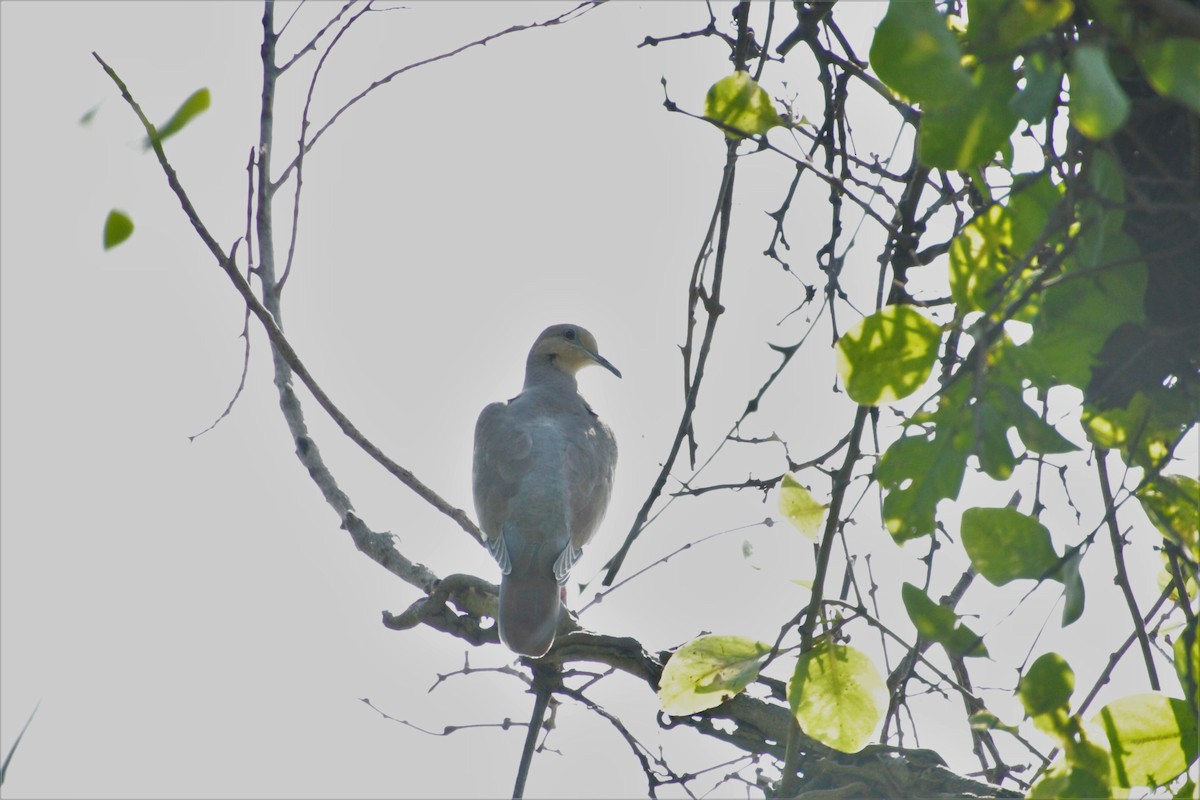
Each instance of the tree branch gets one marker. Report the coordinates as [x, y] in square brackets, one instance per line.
[411, 573]
[1122, 578]
[574, 13]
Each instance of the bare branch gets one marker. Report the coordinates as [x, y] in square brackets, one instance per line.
[312, 43]
[574, 13]
[285, 350]
[712, 303]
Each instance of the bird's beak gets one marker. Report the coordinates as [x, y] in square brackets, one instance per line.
[602, 361]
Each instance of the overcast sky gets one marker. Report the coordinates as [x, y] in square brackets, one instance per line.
[189, 615]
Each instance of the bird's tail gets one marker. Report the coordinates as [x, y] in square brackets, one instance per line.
[529, 612]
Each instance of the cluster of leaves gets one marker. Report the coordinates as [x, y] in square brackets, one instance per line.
[1139, 740]
[1049, 249]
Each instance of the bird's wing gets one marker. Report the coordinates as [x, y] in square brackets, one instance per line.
[502, 457]
[591, 461]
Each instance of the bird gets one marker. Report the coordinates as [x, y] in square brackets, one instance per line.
[541, 478]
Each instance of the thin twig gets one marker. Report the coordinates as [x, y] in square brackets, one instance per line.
[312, 43]
[304, 125]
[713, 305]
[568, 16]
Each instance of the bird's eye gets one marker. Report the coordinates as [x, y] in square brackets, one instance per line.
[569, 334]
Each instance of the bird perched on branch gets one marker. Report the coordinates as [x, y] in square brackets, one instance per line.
[543, 473]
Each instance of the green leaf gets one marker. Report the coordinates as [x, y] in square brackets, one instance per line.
[1172, 502]
[940, 624]
[1005, 545]
[1047, 685]
[117, 228]
[1073, 590]
[997, 241]
[998, 26]
[980, 258]
[89, 115]
[837, 696]
[1030, 208]
[1097, 104]
[1116, 15]
[1145, 430]
[1172, 66]
[967, 134]
[1187, 661]
[987, 721]
[1101, 289]
[1037, 434]
[917, 56]
[1101, 218]
[739, 102]
[800, 507]
[917, 473]
[1152, 738]
[1063, 783]
[197, 103]
[888, 355]
[1043, 81]
[707, 671]
[995, 454]
[1084, 754]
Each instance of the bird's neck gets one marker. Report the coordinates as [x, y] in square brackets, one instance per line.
[541, 371]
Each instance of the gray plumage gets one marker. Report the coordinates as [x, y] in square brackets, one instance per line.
[543, 473]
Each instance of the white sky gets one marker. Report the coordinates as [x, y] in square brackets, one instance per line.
[189, 615]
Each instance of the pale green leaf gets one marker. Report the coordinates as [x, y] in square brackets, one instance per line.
[1172, 502]
[838, 696]
[1152, 738]
[980, 258]
[998, 241]
[888, 355]
[800, 507]
[987, 721]
[1146, 429]
[740, 103]
[1047, 685]
[707, 671]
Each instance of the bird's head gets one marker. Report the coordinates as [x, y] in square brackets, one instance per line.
[569, 348]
